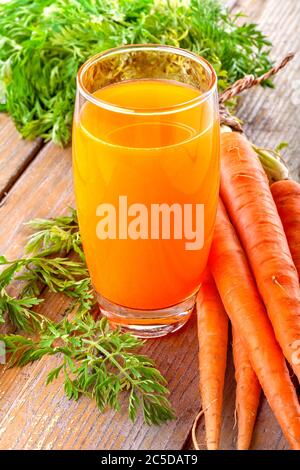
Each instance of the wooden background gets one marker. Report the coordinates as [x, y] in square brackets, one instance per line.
[36, 181]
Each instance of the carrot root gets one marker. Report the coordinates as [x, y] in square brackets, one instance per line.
[247, 392]
[213, 338]
[286, 195]
[243, 304]
[248, 199]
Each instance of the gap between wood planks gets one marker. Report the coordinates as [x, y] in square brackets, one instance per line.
[16, 154]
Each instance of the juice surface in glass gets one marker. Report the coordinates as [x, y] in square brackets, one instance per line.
[162, 153]
[146, 175]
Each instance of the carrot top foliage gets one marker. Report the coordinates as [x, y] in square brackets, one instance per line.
[43, 43]
[96, 361]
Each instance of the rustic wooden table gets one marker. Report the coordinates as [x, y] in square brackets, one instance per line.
[36, 181]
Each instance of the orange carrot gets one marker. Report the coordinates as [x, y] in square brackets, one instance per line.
[286, 195]
[247, 392]
[248, 199]
[236, 285]
[213, 337]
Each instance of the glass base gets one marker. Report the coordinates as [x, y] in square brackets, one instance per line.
[148, 323]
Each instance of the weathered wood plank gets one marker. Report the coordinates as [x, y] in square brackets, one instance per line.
[271, 116]
[39, 192]
[44, 418]
[15, 153]
[32, 416]
[43, 190]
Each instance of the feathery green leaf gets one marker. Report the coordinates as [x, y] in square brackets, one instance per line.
[43, 43]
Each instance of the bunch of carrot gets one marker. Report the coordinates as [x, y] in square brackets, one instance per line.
[252, 278]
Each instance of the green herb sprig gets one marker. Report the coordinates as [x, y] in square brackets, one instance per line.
[95, 361]
[99, 363]
[58, 274]
[44, 42]
[59, 235]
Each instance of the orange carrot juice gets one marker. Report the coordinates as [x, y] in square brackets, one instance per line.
[148, 158]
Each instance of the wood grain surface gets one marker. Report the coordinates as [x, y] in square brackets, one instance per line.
[25, 403]
[36, 181]
[272, 115]
[15, 154]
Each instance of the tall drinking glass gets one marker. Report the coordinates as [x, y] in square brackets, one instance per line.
[146, 173]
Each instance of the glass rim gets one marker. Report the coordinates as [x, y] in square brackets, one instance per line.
[140, 111]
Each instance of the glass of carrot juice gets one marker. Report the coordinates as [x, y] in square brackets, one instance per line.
[146, 175]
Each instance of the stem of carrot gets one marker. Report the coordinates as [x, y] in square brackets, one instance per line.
[271, 160]
[273, 164]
